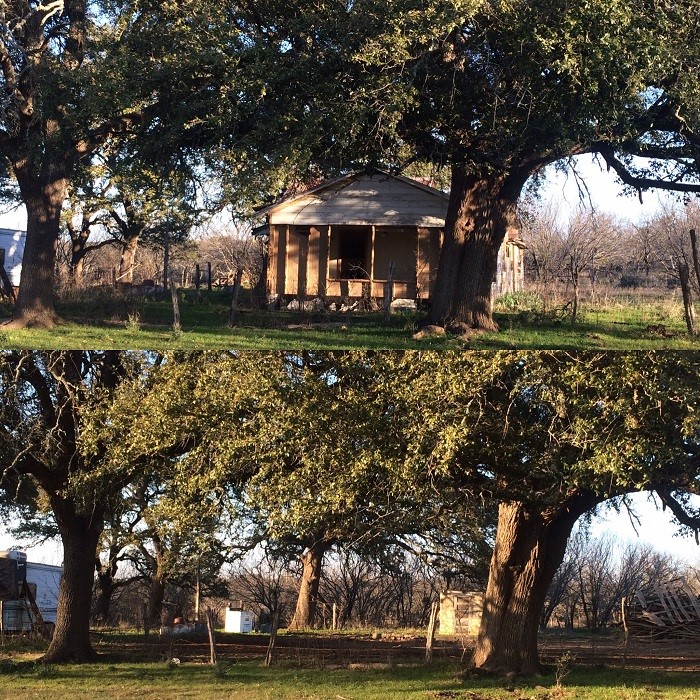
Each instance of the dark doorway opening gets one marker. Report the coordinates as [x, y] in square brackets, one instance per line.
[354, 244]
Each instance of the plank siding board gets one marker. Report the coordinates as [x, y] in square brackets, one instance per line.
[281, 258]
[423, 263]
[291, 277]
[273, 255]
[434, 255]
[315, 259]
[303, 243]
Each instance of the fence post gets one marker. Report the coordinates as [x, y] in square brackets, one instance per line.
[270, 656]
[212, 639]
[430, 637]
[389, 291]
[177, 327]
[684, 274]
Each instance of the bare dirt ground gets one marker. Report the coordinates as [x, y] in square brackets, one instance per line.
[326, 650]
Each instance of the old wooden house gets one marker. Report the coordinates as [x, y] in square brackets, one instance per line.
[346, 237]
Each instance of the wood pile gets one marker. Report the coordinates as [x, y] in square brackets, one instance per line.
[664, 611]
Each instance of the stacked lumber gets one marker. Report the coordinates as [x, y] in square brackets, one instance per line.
[664, 611]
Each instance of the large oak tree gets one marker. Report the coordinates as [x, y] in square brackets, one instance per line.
[548, 436]
[75, 75]
[44, 401]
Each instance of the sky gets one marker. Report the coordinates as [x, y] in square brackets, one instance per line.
[601, 190]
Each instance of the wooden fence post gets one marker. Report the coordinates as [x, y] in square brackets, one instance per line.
[233, 310]
[389, 291]
[213, 660]
[270, 656]
[430, 637]
[684, 274]
[696, 257]
[177, 327]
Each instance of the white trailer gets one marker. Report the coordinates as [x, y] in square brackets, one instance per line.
[43, 580]
[11, 252]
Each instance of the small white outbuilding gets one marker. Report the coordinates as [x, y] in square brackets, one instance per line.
[11, 252]
[238, 620]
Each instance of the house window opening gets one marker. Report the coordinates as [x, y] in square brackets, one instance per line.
[354, 262]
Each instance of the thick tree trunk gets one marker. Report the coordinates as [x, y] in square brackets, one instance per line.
[127, 260]
[43, 196]
[577, 295]
[156, 593]
[106, 574]
[71, 639]
[105, 591]
[78, 252]
[77, 267]
[530, 546]
[307, 600]
[480, 210]
[156, 596]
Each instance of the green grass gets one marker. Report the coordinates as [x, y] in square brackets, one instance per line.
[251, 681]
[104, 321]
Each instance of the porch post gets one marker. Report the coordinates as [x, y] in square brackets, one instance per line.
[371, 261]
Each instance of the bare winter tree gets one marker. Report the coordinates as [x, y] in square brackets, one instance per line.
[672, 226]
[597, 574]
[543, 237]
[262, 582]
[231, 249]
[589, 242]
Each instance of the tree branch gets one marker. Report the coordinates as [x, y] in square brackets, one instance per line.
[641, 183]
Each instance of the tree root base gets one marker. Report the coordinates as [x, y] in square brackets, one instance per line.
[43, 321]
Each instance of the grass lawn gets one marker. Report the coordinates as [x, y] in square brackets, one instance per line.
[104, 322]
[251, 681]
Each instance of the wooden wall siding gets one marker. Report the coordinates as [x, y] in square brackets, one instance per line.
[272, 253]
[509, 270]
[278, 261]
[333, 254]
[291, 277]
[318, 261]
[436, 238]
[345, 288]
[369, 199]
[303, 243]
[397, 245]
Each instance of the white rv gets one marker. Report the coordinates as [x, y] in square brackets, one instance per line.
[43, 580]
[11, 252]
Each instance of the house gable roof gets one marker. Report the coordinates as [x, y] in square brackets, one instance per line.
[370, 198]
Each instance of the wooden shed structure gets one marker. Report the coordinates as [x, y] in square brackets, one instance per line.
[460, 613]
[344, 238]
[663, 611]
